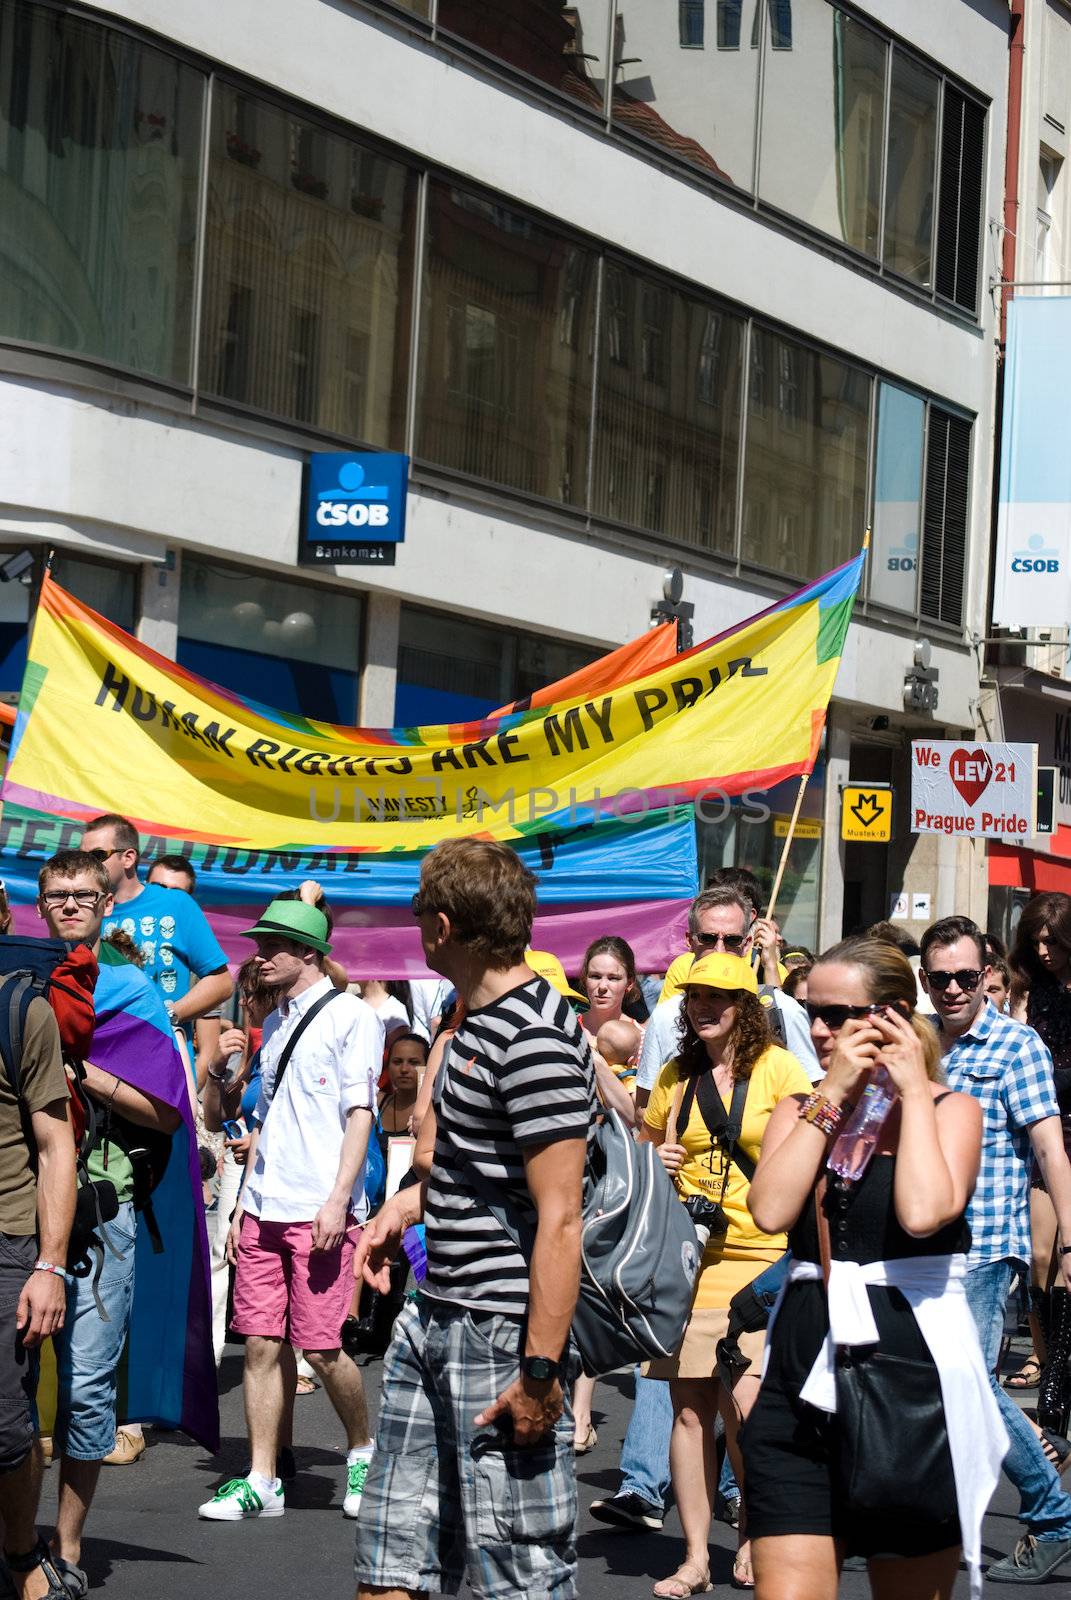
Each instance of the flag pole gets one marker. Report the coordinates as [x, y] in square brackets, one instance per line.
[792, 821]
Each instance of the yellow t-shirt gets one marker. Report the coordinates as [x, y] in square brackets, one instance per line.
[679, 968]
[732, 1259]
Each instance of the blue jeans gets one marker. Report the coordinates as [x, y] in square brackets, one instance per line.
[1044, 1506]
[88, 1350]
[645, 1452]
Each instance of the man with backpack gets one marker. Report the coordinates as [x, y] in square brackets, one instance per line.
[37, 1191]
[74, 897]
[474, 1422]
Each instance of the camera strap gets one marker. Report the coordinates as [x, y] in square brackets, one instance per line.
[724, 1127]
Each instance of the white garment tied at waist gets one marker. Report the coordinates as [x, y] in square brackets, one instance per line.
[933, 1287]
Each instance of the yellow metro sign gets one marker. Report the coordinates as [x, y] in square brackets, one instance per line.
[866, 814]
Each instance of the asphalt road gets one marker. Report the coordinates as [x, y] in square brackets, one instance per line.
[145, 1539]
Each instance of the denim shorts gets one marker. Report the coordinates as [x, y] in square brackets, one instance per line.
[444, 1499]
[88, 1349]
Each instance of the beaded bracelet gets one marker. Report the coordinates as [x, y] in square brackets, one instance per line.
[825, 1116]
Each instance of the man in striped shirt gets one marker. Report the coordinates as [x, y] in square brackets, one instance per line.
[473, 1473]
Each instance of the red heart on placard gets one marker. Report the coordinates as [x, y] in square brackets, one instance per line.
[970, 771]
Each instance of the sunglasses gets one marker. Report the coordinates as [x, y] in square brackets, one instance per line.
[103, 855]
[732, 942]
[967, 978]
[419, 906]
[835, 1017]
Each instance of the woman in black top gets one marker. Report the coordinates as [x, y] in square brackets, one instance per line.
[909, 1202]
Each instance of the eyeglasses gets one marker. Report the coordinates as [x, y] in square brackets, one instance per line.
[85, 899]
[733, 942]
[835, 1017]
[103, 855]
[967, 978]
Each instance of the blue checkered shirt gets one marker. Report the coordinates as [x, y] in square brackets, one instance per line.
[1005, 1066]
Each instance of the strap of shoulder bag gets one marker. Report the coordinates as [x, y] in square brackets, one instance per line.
[824, 1251]
[292, 1043]
[723, 1126]
[521, 1233]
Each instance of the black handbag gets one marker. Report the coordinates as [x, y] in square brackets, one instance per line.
[890, 1451]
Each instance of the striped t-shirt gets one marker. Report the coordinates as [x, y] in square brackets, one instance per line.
[519, 1073]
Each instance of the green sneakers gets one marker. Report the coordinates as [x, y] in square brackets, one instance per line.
[237, 1499]
[356, 1473]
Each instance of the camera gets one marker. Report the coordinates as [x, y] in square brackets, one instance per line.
[707, 1217]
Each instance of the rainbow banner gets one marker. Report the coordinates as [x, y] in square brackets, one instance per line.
[105, 722]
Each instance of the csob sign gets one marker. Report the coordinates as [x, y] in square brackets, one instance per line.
[354, 507]
[984, 791]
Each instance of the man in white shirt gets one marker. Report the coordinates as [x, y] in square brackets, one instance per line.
[292, 1237]
[720, 920]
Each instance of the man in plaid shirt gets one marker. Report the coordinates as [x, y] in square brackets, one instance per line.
[1005, 1066]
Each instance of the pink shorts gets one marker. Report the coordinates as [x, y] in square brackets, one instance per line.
[283, 1289]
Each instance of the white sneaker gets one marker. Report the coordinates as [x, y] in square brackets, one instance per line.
[356, 1473]
[237, 1499]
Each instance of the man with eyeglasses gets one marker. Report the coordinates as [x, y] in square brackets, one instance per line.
[181, 955]
[720, 921]
[74, 898]
[1005, 1066]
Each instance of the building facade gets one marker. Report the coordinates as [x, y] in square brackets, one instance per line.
[635, 285]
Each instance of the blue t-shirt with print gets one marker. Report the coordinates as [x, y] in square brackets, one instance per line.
[172, 933]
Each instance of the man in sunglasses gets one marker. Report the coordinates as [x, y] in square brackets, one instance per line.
[1005, 1066]
[720, 921]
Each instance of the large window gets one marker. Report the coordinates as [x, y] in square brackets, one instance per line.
[668, 412]
[695, 103]
[805, 465]
[910, 174]
[99, 150]
[285, 644]
[944, 528]
[562, 45]
[307, 272]
[823, 118]
[507, 345]
[453, 670]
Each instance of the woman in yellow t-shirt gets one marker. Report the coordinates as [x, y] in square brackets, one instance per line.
[724, 1034]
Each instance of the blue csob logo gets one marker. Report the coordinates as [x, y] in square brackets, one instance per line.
[356, 493]
[1037, 558]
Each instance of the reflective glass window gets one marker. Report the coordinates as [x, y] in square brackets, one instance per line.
[894, 554]
[507, 347]
[691, 17]
[111, 589]
[822, 122]
[307, 272]
[99, 161]
[909, 182]
[668, 431]
[564, 46]
[806, 458]
[292, 645]
[696, 104]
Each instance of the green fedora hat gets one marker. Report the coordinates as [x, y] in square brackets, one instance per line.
[293, 919]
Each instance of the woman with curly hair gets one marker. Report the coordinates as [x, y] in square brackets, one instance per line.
[1040, 962]
[707, 1115]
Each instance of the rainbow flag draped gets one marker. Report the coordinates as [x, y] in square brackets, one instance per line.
[742, 711]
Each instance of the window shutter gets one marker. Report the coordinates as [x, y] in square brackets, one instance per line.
[959, 207]
[944, 523]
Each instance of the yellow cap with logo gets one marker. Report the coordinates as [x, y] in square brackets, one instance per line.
[722, 972]
[548, 966]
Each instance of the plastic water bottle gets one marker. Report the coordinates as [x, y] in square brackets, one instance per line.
[858, 1139]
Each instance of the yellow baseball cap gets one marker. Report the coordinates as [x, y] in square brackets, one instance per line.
[548, 966]
[722, 972]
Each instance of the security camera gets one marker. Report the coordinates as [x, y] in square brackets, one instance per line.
[15, 566]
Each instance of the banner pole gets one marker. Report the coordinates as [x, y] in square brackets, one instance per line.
[783, 863]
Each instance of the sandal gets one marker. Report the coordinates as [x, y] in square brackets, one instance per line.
[743, 1577]
[587, 1444]
[1028, 1376]
[679, 1587]
[1056, 1449]
[40, 1556]
[306, 1385]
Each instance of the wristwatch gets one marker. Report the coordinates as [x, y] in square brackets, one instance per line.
[540, 1369]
